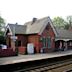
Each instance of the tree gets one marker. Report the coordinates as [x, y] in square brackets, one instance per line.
[2, 40]
[59, 22]
[67, 26]
[69, 20]
[2, 24]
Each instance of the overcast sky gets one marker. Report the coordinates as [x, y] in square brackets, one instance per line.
[22, 11]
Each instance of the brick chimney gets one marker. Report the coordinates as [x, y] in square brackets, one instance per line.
[34, 19]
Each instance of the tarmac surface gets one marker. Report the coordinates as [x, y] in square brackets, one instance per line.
[32, 57]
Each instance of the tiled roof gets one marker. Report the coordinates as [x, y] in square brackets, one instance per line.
[38, 27]
[30, 27]
[62, 33]
[19, 29]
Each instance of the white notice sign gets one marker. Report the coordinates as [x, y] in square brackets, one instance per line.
[30, 48]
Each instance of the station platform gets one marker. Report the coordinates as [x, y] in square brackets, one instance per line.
[33, 57]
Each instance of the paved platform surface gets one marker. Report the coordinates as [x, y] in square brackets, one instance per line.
[25, 58]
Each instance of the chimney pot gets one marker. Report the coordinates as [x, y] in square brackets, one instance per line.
[16, 23]
[34, 19]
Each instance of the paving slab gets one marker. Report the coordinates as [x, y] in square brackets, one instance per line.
[32, 57]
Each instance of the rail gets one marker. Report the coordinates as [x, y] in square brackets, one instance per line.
[47, 67]
[39, 65]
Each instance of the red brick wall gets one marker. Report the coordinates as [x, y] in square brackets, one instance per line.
[7, 52]
[23, 39]
[35, 40]
[49, 32]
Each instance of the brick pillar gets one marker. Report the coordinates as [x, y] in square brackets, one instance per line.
[65, 45]
[37, 48]
[60, 47]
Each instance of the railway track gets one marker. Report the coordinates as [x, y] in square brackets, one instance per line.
[68, 70]
[59, 64]
[48, 67]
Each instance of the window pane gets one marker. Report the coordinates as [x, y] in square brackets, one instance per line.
[44, 42]
[49, 42]
[19, 43]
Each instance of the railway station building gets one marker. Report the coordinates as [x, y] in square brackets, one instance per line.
[41, 33]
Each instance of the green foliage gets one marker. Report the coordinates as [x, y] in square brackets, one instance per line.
[69, 19]
[67, 26]
[69, 22]
[1, 33]
[2, 40]
[59, 22]
[2, 24]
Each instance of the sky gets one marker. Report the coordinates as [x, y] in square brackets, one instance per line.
[21, 11]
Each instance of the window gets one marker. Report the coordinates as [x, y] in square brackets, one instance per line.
[46, 42]
[19, 43]
[49, 42]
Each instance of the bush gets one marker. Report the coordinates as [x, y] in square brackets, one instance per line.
[2, 40]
